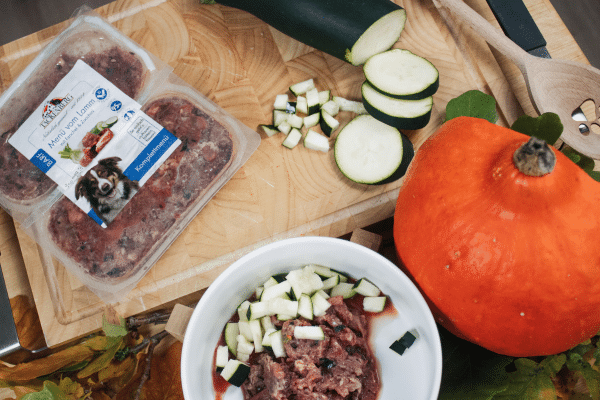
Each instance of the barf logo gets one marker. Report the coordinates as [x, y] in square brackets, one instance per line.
[53, 108]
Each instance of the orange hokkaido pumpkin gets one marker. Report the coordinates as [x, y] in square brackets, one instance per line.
[506, 260]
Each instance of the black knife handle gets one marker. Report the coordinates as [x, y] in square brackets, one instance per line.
[517, 23]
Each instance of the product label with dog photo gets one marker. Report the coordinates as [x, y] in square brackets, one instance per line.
[94, 142]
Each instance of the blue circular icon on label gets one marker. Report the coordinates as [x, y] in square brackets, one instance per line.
[128, 115]
[115, 105]
[101, 94]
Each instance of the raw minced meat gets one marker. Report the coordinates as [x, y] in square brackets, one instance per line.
[23, 181]
[340, 367]
[116, 251]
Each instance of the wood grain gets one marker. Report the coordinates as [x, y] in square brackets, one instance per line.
[241, 64]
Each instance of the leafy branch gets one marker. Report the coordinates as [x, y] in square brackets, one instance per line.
[114, 363]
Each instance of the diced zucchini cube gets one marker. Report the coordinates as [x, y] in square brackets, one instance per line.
[305, 307]
[366, 288]
[309, 332]
[277, 344]
[320, 305]
[243, 310]
[374, 304]
[281, 101]
[344, 289]
[235, 372]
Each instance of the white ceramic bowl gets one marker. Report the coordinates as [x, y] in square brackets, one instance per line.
[416, 375]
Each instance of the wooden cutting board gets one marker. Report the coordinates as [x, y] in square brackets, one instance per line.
[242, 64]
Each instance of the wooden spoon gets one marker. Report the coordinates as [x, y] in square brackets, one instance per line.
[556, 86]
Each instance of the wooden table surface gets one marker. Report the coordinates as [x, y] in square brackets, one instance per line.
[241, 64]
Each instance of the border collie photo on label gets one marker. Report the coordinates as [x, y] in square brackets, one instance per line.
[106, 188]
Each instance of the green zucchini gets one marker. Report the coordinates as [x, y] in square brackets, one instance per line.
[399, 113]
[328, 123]
[401, 74]
[374, 304]
[351, 30]
[293, 138]
[371, 152]
[269, 130]
[221, 358]
[235, 372]
[315, 141]
[366, 288]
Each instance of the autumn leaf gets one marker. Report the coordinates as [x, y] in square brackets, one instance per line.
[51, 391]
[112, 323]
[27, 322]
[113, 345]
[165, 376]
[45, 366]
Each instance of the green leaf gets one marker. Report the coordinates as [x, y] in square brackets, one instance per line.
[114, 330]
[470, 372]
[51, 391]
[584, 162]
[103, 360]
[472, 103]
[546, 127]
[532, 380]
[595, 175]
[576, 362]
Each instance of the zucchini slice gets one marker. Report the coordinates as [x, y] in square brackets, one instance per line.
[235, 372]
[399, 113]
[402, 74]
[370, 152]
[351, 30]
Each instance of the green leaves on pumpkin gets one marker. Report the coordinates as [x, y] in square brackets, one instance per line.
[549, 128]
[472, 103]
[546, 127]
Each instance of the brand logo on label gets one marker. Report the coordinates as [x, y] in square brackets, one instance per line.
[53, 108]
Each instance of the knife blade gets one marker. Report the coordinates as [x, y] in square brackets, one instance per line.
[518, 24]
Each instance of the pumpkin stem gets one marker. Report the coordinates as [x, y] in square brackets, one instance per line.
[534, 158]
